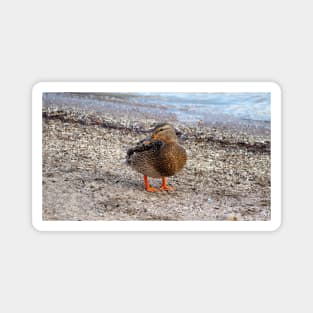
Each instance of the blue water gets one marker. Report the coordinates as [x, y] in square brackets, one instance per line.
[188, 107]
[253, 106]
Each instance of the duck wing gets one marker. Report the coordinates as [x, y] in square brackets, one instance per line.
[144, 145]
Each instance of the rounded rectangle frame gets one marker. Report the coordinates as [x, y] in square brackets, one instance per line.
[270, 87]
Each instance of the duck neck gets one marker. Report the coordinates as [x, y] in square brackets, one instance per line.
[169, 141]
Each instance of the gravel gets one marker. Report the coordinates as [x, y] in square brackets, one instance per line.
[227, 176]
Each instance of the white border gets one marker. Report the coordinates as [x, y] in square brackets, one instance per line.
[42, 87]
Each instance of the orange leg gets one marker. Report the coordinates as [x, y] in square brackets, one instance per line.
[164, 186]
[148, 187]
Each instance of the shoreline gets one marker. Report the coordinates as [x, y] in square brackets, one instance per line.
[227, 176]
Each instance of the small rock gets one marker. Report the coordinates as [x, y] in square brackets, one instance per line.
[231, 217]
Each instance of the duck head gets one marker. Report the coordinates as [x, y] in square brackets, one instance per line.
[164, 132]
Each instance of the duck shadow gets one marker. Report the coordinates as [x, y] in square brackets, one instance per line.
[113, 178]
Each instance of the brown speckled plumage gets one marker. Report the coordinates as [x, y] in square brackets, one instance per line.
[144, 156]
[159, 155]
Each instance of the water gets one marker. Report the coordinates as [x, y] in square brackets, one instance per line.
[253, 106]
[187, 107]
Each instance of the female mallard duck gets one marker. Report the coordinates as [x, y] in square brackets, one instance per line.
[158, 156]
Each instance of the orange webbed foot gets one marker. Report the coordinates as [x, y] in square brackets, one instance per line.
[151, 189]
[148, 187]
[168, 188]
[164, 186]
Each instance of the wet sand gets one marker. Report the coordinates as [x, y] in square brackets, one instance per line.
[227, 176]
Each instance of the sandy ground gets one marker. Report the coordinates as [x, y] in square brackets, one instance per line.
[227, 176]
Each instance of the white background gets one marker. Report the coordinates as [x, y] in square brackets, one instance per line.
[159, 40]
